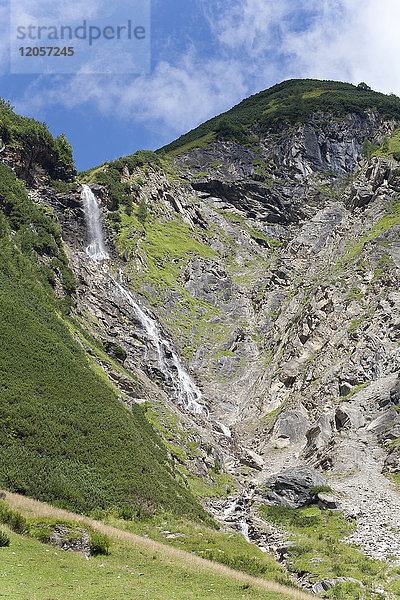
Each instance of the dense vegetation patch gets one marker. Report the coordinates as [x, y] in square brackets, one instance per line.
[34, 139]
[34, 232]
[289, 102]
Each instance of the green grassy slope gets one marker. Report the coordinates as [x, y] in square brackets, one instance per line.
[32, 571]
[136, 567]
[291, 101]
[64, 436]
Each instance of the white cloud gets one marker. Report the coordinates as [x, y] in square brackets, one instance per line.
[350, 41]
[173, 97]
[249, 24]
[256, 43]
[327, 39]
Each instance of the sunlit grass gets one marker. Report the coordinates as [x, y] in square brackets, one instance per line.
[137, 568]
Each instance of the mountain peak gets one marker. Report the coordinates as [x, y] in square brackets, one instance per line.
[289, 102]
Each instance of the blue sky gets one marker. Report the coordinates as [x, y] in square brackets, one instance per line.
[206, 56]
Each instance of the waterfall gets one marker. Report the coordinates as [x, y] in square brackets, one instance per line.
[244, 530]
[231, 508]
[96, 249]
[186, 391]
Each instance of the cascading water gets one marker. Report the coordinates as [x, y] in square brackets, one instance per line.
[186, 391]
[231, 508]
[96, 249]
[244, 530]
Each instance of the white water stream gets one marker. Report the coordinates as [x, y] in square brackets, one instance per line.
[186, 391]
[96, 249]
[244, 530]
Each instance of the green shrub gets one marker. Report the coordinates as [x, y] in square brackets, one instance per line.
[363, 86]
[4, 539]
[142, 212]
[285, 515]
[111, 179]
[99, 543]
[228, 130]
[33, 139]
[320, 489]
[64, 152]
[126, 513]
[368, 148]
[40, 533]
[138, 159]
[18, 522]
[385, 144]
[5, 512]
[139, 508]
[14, 519]
[347, 589]
[119, 353]
[35, 231]
[63, 187]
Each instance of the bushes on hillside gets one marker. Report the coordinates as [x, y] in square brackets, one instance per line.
[99, 543]
[368, 148]
[36, 231]
[120, 192]
[34, 138]
[291, 102]
[64, 436]
[14, 519]
[4, 539]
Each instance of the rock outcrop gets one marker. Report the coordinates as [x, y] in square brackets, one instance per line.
[293, 487]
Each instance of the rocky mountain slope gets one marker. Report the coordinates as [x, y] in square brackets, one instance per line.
[265, 245]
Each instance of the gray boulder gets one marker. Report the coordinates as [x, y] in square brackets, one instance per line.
[387, 425]
[251, 459]
[327, 501]
[318, 435]
[292, 424]
[392, 462]
[292, 487]
[348, 416]
[323, 585]
[395, 393]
